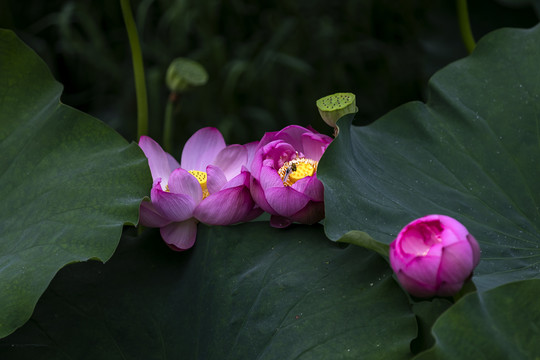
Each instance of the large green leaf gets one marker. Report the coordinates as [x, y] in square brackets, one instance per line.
[472, 152]
[243, 292]
[68, 183]
[501, 323]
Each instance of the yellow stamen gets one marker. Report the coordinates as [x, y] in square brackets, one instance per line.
[202, 179]
[297, 169]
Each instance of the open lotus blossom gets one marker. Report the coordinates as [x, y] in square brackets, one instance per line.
[210, 185]
[434, 256]
[284, 175]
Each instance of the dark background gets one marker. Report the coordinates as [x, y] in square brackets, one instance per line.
[268, 61]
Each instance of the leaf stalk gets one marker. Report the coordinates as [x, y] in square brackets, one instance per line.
[465, 25]
[138, 69]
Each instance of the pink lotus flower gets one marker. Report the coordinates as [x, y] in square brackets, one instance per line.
[211, 185]
[284, 175]
[434, 256]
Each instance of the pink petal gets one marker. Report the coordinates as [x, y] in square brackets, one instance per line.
[455, 226]
[256, 164]
[254, 213]
[257, 193]
[231, 159]
[276, 153]
[267, 138]
[216, 179]
[292, 134]
[158, 160]
[475, 249]
[424, 269]
[395, 257]
[314, 145]
[312, 213]
[415, 287]
[416, 239]
[173, 164]
[273, 155]
[182, 182]
[456, 262]
[279, 222]
[436, 249]
[180, 236]
[225, 207]
[270, 178]
[310, 186]
[285, 201]
[449, 237]
[251, 149]
[241, 179]
[202, 148]
[174, 207]
[398, 258]
[150, 217]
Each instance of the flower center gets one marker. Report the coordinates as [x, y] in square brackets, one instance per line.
[201, 178]
[297, 169]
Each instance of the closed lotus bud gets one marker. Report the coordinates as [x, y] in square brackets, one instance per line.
[333, 107]
[184, 73]
[434, 256]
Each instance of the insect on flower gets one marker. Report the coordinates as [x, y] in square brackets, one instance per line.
[290, 169]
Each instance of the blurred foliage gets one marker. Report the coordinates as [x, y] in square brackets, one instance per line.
[267, 62]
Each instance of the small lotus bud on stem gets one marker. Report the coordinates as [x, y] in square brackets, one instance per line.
[185, 73]
[335, 106]
[182, 74]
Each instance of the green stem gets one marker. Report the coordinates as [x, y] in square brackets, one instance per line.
[465, 25]
[168, 122]
[138, 69]
[360, 238]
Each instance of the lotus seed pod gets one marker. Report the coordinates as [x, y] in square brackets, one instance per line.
[184, 73]
[333, 107]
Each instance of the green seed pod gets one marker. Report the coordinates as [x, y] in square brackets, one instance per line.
[333, 107]
[184, 73]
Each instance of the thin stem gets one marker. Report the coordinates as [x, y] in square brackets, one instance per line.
[465, 25]
[138, 69]
[168, 122]
[360, 238]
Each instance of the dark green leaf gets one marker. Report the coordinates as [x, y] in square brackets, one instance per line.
[472, 152]
[501, 323]
[68, 183]
[426, 313]
[243, 292]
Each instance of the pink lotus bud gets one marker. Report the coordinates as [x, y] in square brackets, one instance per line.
[434, 256]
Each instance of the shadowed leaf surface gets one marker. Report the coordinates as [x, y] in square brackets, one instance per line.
[68, 183]
[472, 152]
[501, 323]
[243, 292]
